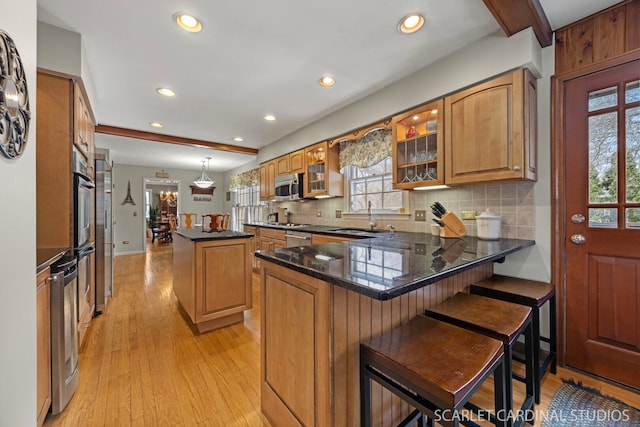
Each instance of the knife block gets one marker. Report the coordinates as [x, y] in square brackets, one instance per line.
[452, 226]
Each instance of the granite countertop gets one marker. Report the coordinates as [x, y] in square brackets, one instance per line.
[392, 264]
[45, 257]
[200, 235]
[356, 233]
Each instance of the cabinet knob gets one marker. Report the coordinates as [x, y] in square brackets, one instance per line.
[516, 168]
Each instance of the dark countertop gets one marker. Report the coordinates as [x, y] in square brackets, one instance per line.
[45, 257]
[197, 234]
[392, 264]
[355, 233]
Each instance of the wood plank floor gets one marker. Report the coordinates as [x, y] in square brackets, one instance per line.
[141, 363]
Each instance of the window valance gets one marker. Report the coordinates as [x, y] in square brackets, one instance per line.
[245, 179]
[366, 151]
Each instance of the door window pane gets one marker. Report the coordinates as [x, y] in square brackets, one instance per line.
[632, 92]
[632, 130]
[633, 217]
[603, 158]
[603, 98]
[603, 218]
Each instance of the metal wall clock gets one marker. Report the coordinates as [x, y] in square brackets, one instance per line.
[14, 100]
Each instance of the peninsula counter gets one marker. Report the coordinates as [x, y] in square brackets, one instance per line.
[320, 302]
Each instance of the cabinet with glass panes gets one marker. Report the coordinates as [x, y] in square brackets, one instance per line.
[322, 177]
[418, 147]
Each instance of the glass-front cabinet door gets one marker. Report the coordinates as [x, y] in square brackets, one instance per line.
[315, 177]
[418, 147]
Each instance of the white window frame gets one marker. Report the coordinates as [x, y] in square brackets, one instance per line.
[404, 211]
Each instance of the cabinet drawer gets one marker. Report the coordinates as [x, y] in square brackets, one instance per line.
[271, 233]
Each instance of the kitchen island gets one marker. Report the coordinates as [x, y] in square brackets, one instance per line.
[212, 276]
[320, 302]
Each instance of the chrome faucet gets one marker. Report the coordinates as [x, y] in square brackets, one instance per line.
[287, 215]
[372, 223]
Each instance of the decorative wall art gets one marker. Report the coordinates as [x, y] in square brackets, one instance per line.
[14, 100]
[129, 199]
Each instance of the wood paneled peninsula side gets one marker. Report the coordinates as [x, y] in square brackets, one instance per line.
[212, 276]
[320, 302]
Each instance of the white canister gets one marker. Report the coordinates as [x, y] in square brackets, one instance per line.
[488, 225]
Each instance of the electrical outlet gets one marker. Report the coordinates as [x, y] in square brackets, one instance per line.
[421, 249]
[468, 214]
[420, 216]
[135, 213]
[338, 213]
[125, 242]
[319, 214]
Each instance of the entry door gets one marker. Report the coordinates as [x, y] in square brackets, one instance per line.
[602, 135]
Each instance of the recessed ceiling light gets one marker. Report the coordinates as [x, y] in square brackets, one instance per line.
[269, 117]
[238, 139]
[165, 92]
[188, 23]
[156, 125]
[327, 81]
[416, 118]
[411, 23]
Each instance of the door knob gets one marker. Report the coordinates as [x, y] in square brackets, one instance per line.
[578, 239]
[577, 218]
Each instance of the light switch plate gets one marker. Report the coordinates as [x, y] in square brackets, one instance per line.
[420, 215]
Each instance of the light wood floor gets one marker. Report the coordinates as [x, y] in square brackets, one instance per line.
[141, 364]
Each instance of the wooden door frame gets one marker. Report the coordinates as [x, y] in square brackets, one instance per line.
[558, 186]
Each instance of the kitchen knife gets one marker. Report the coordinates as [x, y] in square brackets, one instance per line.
[437, 221]
[440, 207]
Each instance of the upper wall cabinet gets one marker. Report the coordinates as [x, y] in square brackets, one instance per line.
[268, 180]
[296, 162]
[491, 131]
[282, 165]
[84, 129]
[322, 177]
[418, 155]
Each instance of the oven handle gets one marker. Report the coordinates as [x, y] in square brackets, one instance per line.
[84, 180]
[72, 273]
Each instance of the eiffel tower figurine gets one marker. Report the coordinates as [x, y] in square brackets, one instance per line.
[129, 199]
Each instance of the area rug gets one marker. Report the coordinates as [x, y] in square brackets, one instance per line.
[577, 405]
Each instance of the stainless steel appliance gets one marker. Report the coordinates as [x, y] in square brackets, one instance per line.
[297, 238]
[64, 335]
[104, 232]
[289, 187]
[81, 201]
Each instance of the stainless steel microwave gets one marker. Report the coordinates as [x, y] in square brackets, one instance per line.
[289, 187]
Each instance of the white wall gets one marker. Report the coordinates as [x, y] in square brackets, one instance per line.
[18, 242]
[130, 220]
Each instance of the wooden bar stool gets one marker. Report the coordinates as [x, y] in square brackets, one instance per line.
[433, 366]
[503, 321]
[533, 294]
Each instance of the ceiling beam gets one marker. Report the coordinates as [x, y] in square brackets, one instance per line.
[516, 15]
[169, 139]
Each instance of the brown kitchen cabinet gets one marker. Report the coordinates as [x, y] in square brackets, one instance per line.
[43, 345]
[296, 162]
[282, 165]
[64, 121]
[84, 128]
[491, 131]
[212, 279]
[271, 239]
[322, 177]
[418, 147]
[253, 245]
[268, 180]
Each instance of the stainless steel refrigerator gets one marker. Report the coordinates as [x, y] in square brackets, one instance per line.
[104, 231]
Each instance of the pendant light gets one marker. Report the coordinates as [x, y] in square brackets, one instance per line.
[204, 181]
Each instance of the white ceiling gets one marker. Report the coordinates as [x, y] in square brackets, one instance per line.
[252, 59]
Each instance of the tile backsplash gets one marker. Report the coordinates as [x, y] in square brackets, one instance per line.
[513, 201]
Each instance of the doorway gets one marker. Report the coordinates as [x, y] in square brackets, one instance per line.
[599, 222]
[161, 199]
